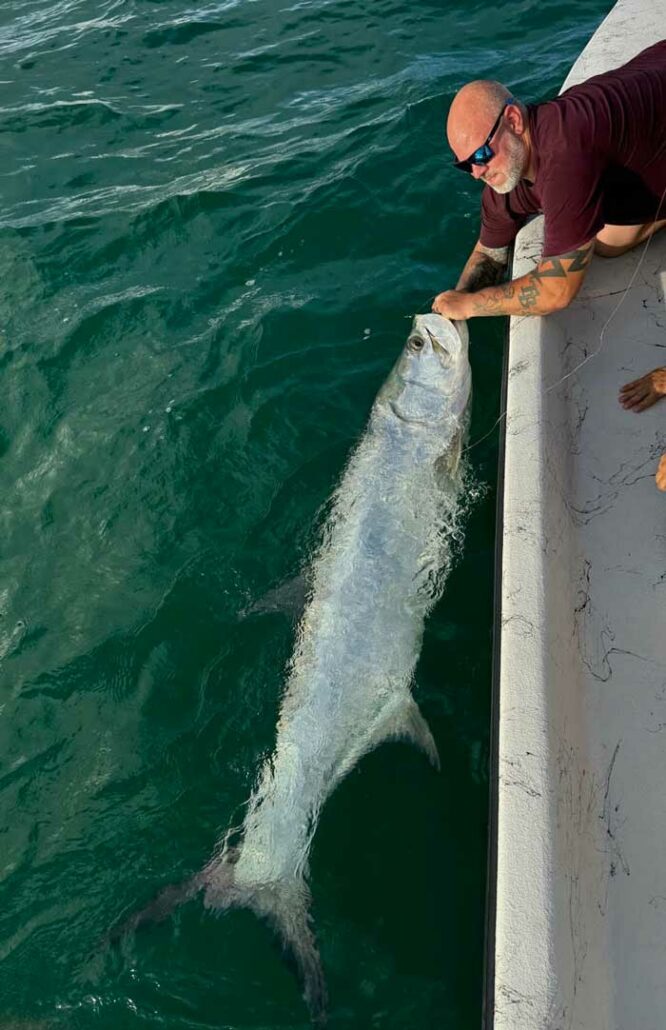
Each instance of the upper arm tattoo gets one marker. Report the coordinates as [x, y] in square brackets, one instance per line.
[498, 254]
[559, 267]
[576, 260]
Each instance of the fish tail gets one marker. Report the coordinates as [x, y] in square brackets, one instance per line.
[285, 906]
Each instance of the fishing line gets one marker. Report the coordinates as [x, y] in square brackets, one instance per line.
[593, 353]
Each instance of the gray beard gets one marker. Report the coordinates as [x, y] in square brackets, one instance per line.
[517, 157]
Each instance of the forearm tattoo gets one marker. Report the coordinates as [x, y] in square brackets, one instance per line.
[484, 272]
[492, 305]
[531, 291]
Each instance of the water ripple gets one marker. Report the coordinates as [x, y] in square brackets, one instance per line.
[218, 219]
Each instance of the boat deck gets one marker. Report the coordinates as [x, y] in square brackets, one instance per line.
[580, 920]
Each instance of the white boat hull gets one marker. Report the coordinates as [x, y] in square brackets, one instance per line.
[580, 870]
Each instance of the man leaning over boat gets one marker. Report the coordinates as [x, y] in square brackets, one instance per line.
[593, 160]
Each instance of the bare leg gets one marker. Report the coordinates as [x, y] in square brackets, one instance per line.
[641, 394]
[613, 240]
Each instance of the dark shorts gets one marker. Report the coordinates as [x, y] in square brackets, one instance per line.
[628, 201]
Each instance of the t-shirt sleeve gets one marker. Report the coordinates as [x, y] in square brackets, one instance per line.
[500, 223]
[572, 202]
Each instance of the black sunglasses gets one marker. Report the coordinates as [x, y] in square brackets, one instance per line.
[483, 154]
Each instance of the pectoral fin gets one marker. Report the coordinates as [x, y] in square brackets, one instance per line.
[448, 464]
[288, 598]
[407, 723]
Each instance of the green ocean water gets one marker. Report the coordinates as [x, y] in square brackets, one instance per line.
[216, 222]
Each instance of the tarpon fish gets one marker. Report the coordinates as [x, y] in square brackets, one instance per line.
[378, 570]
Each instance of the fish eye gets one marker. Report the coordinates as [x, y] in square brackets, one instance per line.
[415, 343]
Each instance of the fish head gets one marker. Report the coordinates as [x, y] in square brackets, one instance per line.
[431, 381]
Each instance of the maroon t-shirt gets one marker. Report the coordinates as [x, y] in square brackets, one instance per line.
[599, 157]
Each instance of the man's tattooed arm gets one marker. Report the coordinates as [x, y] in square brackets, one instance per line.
[552, 285]
[486, 266]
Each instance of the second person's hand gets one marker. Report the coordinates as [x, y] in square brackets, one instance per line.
[644, 392]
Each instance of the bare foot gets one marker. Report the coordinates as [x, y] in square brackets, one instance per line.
[644, 392]
[661, 473]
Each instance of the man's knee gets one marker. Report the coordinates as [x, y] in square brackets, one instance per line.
[613, 240]
[606, 250]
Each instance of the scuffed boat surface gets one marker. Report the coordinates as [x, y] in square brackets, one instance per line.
[580, 918]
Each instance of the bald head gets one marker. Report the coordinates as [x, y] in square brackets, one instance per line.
[473, 111]
[476, 108]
